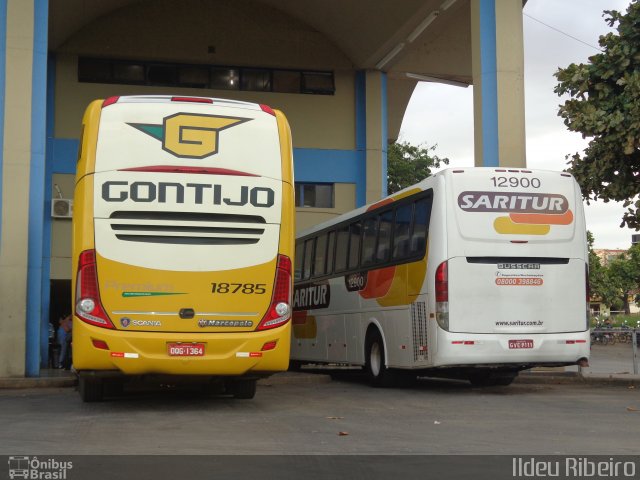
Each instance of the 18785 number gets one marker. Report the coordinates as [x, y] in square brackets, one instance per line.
[245, 288]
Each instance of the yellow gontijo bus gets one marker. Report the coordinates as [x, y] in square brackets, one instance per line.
[183, 235]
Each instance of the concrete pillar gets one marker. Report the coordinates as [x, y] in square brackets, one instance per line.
[23, 47]
[376, 132]
[498, 80]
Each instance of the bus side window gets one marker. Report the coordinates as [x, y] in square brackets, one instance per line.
[369, 234]
[331, 244]
[402, 231]
[420, 225]
[384, 236]
[308, 251]
[342, 248]
[319, 265]
[355, 229]
[298, 261]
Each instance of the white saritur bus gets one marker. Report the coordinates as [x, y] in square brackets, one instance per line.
[183, 234]
[473, 273]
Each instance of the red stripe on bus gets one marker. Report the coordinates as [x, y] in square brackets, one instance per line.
[181, 169]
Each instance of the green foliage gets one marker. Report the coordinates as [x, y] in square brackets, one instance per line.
[615, 283]
[597, 276]
[408, 164]
[622, 278]
[631, 320]
[605, 107]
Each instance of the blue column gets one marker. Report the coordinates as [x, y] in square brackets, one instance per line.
[36, 186]
[489, 74]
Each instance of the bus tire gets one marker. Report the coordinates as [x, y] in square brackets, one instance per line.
[90, 389]
[113, 387]
[295, 365]
[378, 373]
[243, 389]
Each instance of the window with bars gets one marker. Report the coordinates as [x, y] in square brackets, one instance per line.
[216, 77]
[315, 195]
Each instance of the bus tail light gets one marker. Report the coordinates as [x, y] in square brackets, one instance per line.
[279, 311]
[88, 305]
[267, 109]
[269, 345]
[442, 295]
[110, 101]
[192, 99]
[101, 344]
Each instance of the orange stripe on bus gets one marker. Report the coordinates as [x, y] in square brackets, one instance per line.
[542, 218]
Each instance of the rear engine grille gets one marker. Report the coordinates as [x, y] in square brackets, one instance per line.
[419, 327]
[187, 228]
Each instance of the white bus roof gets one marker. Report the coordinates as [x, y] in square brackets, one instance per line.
[449, 175]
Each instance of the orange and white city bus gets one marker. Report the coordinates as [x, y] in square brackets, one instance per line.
[474, 273]
[183, 234]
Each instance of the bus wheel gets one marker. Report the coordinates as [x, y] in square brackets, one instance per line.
[243, 389]
[295, 365]
[113, 387]
[378, 373]
[91, 389]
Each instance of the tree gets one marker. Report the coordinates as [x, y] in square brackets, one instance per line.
[614, 283]
[605, 107]
[408, 164]
[597, 280]
[622, 277]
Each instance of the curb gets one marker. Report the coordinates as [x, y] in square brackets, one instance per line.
[295, 378]
[581, 379]
[302, 378]
[284, 378]
[38, 382]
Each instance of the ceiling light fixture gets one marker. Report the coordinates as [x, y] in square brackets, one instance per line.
[447, 4]
[390, 56]
[423, 25]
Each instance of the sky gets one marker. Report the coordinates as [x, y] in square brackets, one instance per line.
[443, 115]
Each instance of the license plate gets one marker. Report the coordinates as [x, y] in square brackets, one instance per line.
[520, 343]
[185, 349]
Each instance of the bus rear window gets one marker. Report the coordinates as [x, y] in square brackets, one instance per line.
[384, 236]
[369, 234]
[342, 248]
[402, 231]
[421, 217]
[308, 251]
[354, 244]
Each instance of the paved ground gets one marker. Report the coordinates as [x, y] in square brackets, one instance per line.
[308, 418]
[313, 426]
[611, 359]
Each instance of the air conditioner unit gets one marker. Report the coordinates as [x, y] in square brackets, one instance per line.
[61, 208]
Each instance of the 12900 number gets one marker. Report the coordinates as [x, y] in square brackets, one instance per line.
[513, 182]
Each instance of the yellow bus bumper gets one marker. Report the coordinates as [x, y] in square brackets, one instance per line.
[140, 353]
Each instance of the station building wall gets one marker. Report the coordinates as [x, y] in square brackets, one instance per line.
[246, 34]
